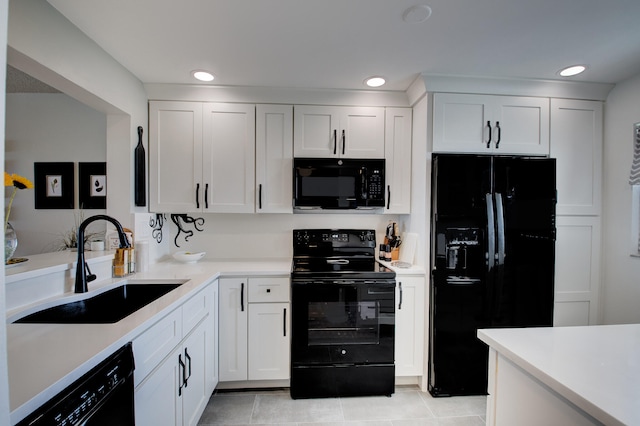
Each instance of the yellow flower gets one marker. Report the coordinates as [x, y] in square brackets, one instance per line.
[18, 182]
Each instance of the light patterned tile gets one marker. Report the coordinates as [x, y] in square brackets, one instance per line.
[456, 406]
[282, 409]
[401, 405]
[228, 409]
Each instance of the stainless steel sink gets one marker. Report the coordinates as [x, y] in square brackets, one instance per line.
[105, 308]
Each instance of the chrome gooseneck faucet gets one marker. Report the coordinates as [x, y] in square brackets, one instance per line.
[81, 266]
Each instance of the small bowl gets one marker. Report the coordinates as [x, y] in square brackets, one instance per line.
[188, 257]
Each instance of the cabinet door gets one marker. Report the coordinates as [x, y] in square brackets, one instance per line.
[409, 340]
[175, 156]
[576, 143]
[233, 330]
[361, 132]
[523, 125]
[315, 132]
[577, 274]
[485, 124]
[397, 146]
[460, 123]
[229, 158]
[274, 158]
[195, 394]
[156, 399]
[269, 343]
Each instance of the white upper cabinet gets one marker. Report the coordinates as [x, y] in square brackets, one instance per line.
[576, 144]
[201, 157]
[330, 131]
[398, 160]
[486, 124]
[274, 158]
[229, 157]
[175, 156]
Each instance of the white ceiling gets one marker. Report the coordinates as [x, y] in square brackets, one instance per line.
[337, 43]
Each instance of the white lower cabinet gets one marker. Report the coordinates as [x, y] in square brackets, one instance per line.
[176, 390]
[409, 337]
[254, 342]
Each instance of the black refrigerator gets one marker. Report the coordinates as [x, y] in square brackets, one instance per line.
[492, 259]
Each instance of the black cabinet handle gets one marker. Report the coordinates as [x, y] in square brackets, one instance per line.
[260, 196]
[206, 196]
[499, 133]
[335, 141]
[284, 322]
[388, 196]
[182, 382]
[242, 297]
[343, 142]
[400, 302]
[489, 141]
[197, 195]
[188, 358]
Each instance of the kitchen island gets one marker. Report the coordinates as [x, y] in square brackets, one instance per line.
[564, 375]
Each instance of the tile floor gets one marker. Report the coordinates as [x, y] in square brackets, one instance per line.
[407, 407]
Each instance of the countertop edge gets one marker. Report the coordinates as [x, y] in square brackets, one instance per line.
[200, 274]
[566, 391]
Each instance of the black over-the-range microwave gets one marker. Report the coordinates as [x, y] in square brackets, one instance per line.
[338, 183]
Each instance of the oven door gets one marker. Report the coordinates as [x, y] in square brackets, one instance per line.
[342, 322]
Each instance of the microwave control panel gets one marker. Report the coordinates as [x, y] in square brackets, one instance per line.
[375, 184]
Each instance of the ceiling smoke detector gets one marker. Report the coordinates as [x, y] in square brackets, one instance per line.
[416, 14]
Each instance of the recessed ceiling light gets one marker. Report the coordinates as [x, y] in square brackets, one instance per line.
[203, 75]
[375, 81]
[416, 14]
[572, 70]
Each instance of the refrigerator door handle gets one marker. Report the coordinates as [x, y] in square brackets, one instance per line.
[500, 228]
[491, 237]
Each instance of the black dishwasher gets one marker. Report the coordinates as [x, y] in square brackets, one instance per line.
[103, 396]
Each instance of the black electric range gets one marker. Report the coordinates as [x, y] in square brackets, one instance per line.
[343, 315]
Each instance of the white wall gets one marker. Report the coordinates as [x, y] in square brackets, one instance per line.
[260, 236]
[46, 128]
[621, 272]
[4, 381]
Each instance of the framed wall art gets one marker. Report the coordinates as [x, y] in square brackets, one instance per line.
[93, 185]
[54, 185]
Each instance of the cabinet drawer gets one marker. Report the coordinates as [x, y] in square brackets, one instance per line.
[274, 289]
[151, 347]
[195, 309]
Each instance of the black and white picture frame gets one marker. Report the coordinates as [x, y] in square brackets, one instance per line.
[54, 185]
[93, 185]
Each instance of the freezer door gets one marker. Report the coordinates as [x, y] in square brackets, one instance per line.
[525, 195]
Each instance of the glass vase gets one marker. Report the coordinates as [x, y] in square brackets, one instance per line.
[10, 242]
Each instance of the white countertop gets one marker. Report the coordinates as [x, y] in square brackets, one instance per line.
[597, 367]
[45, 358]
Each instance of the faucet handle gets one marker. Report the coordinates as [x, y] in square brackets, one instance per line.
[90, 276]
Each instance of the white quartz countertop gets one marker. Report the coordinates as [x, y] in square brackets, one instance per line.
[597, 368]
[45, 358]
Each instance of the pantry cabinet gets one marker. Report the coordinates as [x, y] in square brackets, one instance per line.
[201, 157]
[398, 160]
[409, 337]
[274, 158]
[576, 144]
[255, 339]
[176, 389]
[488, 124]
[340, 132]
